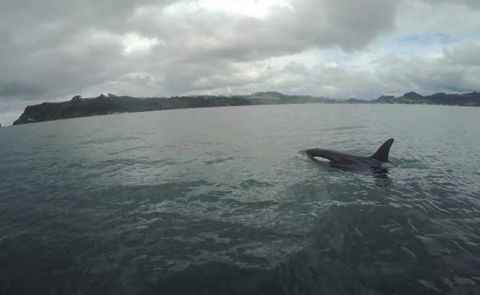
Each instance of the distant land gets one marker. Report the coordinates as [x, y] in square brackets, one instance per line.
[111, 104]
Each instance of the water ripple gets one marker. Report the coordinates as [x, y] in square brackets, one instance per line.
[223, 203]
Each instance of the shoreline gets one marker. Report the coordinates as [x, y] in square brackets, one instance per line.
[79, 107]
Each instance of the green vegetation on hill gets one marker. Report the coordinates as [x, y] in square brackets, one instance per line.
[465, 99]
[103, 105]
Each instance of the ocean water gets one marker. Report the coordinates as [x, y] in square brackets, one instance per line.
[222, 201]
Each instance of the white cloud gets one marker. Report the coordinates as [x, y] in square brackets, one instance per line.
[252, 8]
[136, 44]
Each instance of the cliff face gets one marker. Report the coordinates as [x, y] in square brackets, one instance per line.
[70, 109]
[104, 105]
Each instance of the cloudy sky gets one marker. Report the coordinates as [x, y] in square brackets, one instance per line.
[54, 49]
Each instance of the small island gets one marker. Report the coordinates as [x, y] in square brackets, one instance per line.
[111, 104]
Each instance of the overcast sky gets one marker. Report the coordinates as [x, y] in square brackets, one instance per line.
[53, 49]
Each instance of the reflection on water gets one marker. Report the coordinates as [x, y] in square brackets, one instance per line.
[219, 201]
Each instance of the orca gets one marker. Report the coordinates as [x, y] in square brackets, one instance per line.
[378, 161]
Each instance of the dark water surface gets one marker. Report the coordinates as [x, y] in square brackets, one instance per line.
[221, 201]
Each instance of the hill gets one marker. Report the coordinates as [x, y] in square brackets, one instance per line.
[110, 104]
[103, 105]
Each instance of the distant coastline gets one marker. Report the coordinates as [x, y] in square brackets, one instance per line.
[109, 104]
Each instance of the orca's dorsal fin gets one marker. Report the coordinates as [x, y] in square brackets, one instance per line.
[382, 153]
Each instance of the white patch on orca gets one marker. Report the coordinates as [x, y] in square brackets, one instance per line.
[386, 165]
[320, 159]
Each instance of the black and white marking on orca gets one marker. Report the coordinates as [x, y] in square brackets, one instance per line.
[378, 161]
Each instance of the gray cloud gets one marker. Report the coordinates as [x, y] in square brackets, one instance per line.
[467, 55]
[18, 88]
